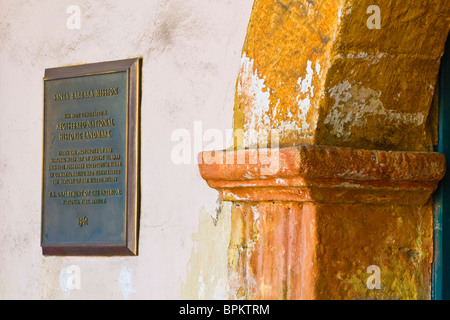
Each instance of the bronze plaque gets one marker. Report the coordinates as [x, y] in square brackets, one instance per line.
[91, 159]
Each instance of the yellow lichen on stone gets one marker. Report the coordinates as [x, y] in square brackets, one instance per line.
[314, 72]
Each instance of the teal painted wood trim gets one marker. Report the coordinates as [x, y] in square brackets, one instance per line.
[441, 265]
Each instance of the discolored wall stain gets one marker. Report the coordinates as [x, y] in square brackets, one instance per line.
[206, 271]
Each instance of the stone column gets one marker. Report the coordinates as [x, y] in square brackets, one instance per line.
[311, 227]
[343, 210]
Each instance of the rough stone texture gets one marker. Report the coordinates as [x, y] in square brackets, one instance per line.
[283, 68]
[292, 250]
[310, 227]
[323, 174]
[308, 220]
[314, 72]
[350, 238]
[271, 252]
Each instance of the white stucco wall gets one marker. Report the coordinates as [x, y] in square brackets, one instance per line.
[191, 53]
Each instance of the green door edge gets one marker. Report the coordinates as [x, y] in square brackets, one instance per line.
[441, 263]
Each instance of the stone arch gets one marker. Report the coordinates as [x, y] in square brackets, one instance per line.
[353, 103]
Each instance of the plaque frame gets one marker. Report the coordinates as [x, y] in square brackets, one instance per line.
[133, 68]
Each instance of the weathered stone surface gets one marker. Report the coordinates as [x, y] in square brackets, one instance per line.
[323, 174]
[314, 72]
[310, 218]
[291, 250]
[283, 68]
[271, 252]
[310, 226]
